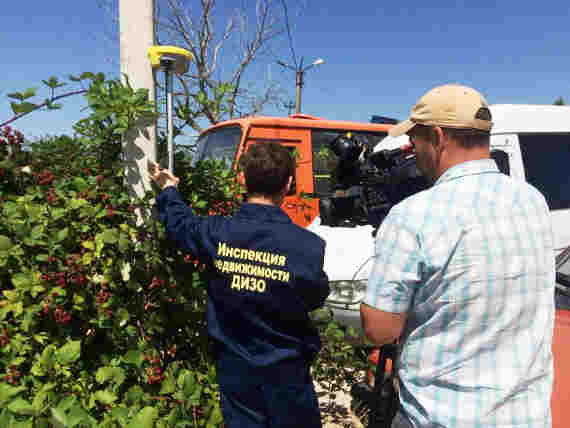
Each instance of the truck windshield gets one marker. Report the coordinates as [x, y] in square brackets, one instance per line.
[220, 143]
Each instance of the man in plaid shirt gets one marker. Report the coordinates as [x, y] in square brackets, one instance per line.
[464, 274]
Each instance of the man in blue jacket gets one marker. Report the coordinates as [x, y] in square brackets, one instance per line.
[268, 276]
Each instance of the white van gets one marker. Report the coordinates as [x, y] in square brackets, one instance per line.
[532, 143]
[528, 142]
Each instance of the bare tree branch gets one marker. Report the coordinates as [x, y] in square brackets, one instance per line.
[223, 54]
[284, 3]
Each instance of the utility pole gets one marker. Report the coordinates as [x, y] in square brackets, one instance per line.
[136, 24]
[299, 85]
[299, 71]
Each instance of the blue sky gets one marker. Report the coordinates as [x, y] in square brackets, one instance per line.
[380, 57]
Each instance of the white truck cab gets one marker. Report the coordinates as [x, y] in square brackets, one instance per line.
[528, 142]
[532, 143]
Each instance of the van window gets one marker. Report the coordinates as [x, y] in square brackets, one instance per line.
[220, 143]
[325, 161]
[501, 158]
[546, 159]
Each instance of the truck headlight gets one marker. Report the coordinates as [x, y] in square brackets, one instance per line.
[349, 292]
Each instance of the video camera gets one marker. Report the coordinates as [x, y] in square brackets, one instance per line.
[367, 183]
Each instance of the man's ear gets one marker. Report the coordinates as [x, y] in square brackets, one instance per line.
[438, 138]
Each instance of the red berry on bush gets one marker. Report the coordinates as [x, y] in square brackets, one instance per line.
[5, 338]
[46, 177]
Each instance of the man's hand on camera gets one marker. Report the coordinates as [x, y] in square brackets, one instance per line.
[162, 177]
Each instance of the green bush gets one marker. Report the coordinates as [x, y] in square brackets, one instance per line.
[101, 320]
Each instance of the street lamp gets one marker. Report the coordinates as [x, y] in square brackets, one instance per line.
[299, 70]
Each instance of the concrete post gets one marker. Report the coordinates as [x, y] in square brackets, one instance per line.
[136, 24]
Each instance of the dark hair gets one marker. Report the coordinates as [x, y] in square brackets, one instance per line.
[465, 137]
[468, 137]
[267, 166]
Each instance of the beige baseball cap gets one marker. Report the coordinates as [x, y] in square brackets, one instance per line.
[448, 106]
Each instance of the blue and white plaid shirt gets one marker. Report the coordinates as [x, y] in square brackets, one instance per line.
[471, 262]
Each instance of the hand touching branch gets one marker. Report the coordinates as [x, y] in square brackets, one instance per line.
[162, 177]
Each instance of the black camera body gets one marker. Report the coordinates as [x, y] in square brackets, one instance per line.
[367, 183]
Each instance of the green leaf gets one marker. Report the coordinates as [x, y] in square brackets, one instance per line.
[124, 243]
[88, 244]
[58, 213]
[22, 280]
[16, 308]
[42, 257]
[37, 289]
[122, 315]
[114, 374]
[59, 418]
[8, 391]
[145, 418]
[110, 236]
[86, 75]
[16, 96]
[76, 416]
[133, 357]
[122, 414]
[6, 418]
[77, 203]
[40, 338]
[168, 386]
[61, 234]
[37, 232]
[69, 353]
[53, 83]
[21, 407]
[11, 295]
[36, 212]
[42, 396]
[187, 381]
[105, 396]
[29, 93]
[80, 184]
[78, 301]
[134, 394]
[215, 418]
[23, 107]
[5, 243]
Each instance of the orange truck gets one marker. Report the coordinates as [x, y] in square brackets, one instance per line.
[341, 204]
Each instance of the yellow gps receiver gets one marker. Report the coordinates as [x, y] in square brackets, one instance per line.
[170, 58]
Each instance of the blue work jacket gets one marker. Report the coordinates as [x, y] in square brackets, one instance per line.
[267, 276]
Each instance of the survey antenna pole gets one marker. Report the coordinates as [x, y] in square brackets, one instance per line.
[169, 90]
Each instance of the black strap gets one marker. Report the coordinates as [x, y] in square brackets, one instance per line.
[380, 403]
